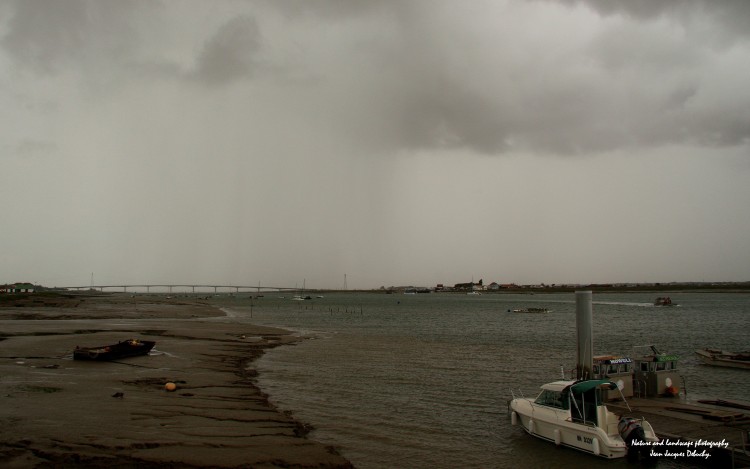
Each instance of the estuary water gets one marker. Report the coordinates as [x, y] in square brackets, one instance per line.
[423, 381]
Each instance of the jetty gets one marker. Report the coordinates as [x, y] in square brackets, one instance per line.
[725, 425]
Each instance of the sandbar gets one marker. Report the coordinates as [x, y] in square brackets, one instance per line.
[60, 412]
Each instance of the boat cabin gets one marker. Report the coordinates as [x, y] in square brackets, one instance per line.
[655, 373]
[618, 369]
[552, 395]
[582, 399]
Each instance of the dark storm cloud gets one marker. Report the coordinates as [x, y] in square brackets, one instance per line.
[430, 81]
[492, 77]
[47, 35]
[733, 15]
[331, 9]
[105, 40]
[231, 53]
[42, 33]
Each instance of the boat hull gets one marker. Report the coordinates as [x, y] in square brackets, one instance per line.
[556, 427]
[716, 358]
[124, 349]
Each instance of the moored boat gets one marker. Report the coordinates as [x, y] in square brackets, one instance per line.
[572, 413]
[723, 358]
[619, 370]
[531, 310]
[124, 349]
[655, 373]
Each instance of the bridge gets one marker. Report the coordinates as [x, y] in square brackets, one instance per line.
[183, 288]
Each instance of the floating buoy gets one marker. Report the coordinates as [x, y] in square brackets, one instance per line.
[514, 418]
[558, 438]
[170, 386]
[595, 442]
[531, 426]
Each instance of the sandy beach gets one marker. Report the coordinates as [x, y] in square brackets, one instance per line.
[60, 412]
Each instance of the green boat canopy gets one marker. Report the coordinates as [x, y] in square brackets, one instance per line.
[583, 386]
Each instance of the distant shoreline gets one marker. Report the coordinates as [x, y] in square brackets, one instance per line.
[511, 289]
[724, 287]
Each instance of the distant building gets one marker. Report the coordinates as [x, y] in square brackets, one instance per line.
[20, 287]
[470, 286]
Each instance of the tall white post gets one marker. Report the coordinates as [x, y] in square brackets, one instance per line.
[585, 335]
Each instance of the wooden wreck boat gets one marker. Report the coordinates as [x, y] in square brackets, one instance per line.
[124, 349]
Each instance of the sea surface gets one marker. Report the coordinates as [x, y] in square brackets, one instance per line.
[423, 381]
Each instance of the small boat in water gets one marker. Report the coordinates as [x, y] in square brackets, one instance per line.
[531, 310]
[124, 349]
[664, 301]
[572, 413]
[723, 358]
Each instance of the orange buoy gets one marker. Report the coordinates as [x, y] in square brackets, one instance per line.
[170, 386]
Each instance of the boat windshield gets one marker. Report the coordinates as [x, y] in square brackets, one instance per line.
[552, 399]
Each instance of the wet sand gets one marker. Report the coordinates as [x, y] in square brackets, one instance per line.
[57, 412]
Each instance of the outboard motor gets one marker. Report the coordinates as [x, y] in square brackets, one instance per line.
[631, 432]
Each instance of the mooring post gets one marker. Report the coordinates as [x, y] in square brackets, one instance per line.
[585, 335]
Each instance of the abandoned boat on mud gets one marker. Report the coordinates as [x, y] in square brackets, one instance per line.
[124, 349]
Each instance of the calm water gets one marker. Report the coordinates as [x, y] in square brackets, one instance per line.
[422, 381]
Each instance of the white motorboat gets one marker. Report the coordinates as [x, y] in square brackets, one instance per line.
[572, 413]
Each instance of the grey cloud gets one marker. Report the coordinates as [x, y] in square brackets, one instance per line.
[331, 9]
[417, 75]
[231, 54]
[33, 148]
[446, 115]
[632, 85]
[47, 35]
[642, 9]
[42, 33]
[734, 15]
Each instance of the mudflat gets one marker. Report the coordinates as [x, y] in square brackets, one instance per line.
[60, 412]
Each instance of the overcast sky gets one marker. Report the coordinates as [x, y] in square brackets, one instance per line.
[394, 142]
